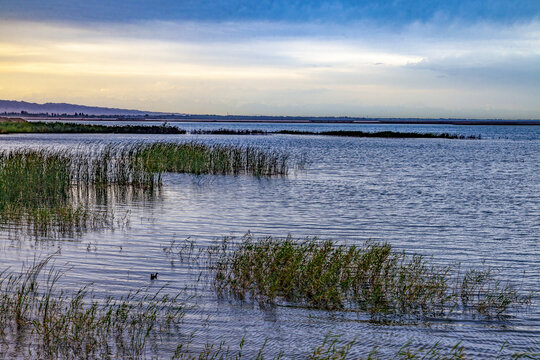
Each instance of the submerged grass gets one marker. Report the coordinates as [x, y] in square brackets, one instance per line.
[373, 278]
[41, 321]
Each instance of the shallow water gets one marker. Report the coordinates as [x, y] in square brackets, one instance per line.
[476, 202]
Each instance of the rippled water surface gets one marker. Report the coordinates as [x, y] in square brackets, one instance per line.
[476, 202]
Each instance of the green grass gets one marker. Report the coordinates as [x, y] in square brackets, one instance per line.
[372, 278]
[197, 158]
[14, 127]
[224, 131]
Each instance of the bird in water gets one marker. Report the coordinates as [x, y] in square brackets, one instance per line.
[153, 276]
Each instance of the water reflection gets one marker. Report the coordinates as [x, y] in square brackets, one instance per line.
[473, 202]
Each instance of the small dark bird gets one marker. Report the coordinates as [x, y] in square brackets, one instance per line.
[153, 276]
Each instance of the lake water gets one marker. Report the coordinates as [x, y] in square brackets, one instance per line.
[476, 202]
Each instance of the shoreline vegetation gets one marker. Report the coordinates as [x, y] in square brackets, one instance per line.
[18, 125]
[41, 320]
[50, 191]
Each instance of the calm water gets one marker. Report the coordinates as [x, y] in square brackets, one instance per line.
[476, 202]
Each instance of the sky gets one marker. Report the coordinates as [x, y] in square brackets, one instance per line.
[472, 59]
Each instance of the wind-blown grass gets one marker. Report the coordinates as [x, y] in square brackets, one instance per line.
[373, 278]
[14, 127]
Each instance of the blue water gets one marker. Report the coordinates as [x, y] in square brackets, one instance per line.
[476, 202]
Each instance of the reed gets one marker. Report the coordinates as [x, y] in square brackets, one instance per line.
[71, 325]
[372, 278]
[48, 189]
[36, 191]
[40, 321]
[197, 158]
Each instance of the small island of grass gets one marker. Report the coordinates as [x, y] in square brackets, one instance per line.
[17, 126]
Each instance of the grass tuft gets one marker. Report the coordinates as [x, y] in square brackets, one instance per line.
[373, 278]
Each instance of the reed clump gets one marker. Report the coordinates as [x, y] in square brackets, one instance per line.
[373, 278]
[71, 325]
[36, 194]
[48, 189]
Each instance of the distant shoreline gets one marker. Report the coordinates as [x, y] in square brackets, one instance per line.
[290, 120]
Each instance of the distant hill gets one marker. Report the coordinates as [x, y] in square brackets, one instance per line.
[10, 106]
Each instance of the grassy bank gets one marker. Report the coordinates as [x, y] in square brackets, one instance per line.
[224, 131]
[15, 127]
[373, 278]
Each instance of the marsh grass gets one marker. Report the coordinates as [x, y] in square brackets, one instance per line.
[36, 191]
[41, 321]
[372, 278]
[57, 324]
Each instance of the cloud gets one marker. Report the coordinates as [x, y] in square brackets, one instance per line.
[424, 69]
